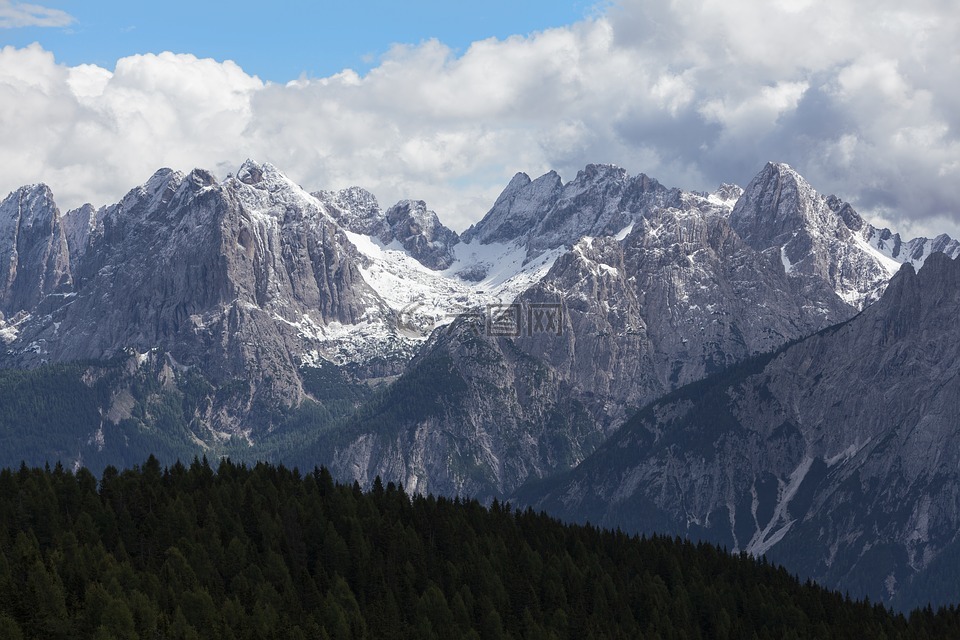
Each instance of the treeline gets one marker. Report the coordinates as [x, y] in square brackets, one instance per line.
[268, 552]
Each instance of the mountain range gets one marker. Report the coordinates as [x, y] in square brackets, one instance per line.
[546, 353]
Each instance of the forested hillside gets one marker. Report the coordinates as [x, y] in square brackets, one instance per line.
[268, 552]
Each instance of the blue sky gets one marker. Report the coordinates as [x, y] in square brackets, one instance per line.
[857, 95]
[288, 39]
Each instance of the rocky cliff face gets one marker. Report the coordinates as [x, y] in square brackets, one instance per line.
[823, 239]
[80, 224]
[357, 210]
[34, 259]
[603, 200]
[419, 232]
[837, 456]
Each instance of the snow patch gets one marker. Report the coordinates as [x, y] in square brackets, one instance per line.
[890, 265]
[623, 233]
[787, 266]
[426, 299]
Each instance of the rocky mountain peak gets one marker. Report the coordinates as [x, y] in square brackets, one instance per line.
[162, 180]
[158, 190]
[917, 304]
[937, 282]
[515, 212]
[202, 178]
[79, 224]
[776, 205]
[815, 237]
[409, 222]
[517, 182]
[34, 257]
[420, 232]
[601, 173]
[728, 193]
[355, 209]
[250, 172]
[259, 175]
[357, 200]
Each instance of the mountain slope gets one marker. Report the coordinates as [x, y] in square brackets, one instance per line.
[837, 455]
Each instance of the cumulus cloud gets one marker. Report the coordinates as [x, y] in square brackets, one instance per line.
[692, 92]
[20, 14]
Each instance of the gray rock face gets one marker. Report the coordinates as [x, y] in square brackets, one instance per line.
[80, 224]
[514, 213]
[823, 238]
[545, 214]
[419, 232]
[356, 210]
[238, 279]
[780, 214]
[34, 259]
[838, 456]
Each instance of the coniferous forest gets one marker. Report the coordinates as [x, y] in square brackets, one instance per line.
[269, 552]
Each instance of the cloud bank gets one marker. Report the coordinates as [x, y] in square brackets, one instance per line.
[854, 94]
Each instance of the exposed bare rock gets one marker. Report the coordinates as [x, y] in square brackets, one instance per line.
[418, 230]
[34, 258]
[674, 296]
[241, 279]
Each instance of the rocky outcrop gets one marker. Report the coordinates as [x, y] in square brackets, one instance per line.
[782, 215]
[80, 224]
[514, 214]
[357, 210]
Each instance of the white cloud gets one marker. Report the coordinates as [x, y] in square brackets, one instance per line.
[692, 92]
[757, 114]
[20, 14]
